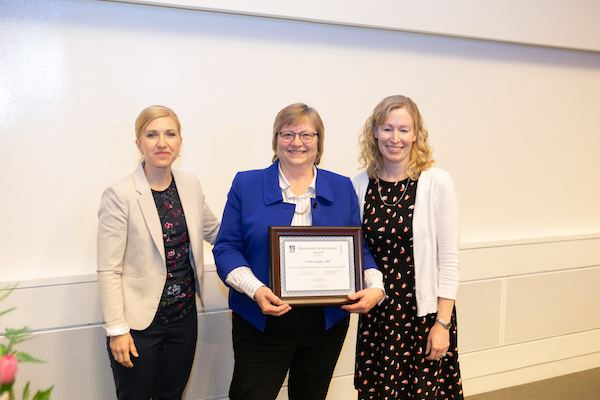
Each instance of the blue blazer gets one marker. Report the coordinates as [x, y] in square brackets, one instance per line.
[253, 204]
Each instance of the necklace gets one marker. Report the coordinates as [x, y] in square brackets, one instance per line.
[303, 212]
[399, 199]
[286, 199]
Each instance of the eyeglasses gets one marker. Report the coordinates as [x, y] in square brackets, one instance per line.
[288, 137]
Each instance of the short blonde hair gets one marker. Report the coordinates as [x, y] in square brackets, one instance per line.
[420, 158]
[149, 114]
[295, 114]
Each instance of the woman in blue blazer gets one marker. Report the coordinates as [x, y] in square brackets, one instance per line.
[269, 337]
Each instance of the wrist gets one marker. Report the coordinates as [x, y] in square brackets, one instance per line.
[446, 325]
[116, 330]
[253, 291]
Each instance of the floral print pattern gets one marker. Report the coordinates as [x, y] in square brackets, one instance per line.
[390, 361]
[178, 294]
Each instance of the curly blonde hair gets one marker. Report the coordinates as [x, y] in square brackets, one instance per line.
[420, 154]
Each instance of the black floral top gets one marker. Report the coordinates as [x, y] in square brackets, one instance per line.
[178, 294]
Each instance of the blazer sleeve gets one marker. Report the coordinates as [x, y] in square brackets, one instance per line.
[211, 223]
[111, 243]
[229, 245]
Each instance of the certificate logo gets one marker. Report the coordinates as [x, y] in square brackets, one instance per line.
[292, 248]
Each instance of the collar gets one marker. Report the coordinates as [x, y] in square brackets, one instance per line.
[141, 182]
[284, 184]
[272, 190]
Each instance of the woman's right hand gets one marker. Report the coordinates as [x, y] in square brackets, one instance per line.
[269, 303]
[121, 346]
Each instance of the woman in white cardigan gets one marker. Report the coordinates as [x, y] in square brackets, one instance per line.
[151, 229]
[406, 345]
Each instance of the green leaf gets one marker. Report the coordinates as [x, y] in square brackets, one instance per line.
[3, 296]
[45, 395]
[15, 336]
[8, 291]
[20, 334]
[26, 392]
[24, 357]
[6, 311]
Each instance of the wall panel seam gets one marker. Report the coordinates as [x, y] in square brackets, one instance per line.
[525, 342]
[94, 324]
[529, 274]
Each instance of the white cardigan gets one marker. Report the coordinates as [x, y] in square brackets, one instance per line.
[435, 237]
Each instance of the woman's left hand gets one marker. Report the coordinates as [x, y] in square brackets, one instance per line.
[438, 342]
[367, 298]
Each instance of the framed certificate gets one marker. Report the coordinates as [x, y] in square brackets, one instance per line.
[315, 265]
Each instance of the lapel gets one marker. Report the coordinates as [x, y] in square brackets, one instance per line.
[271, 189]
[325, 194]
[148, 207]
[272, 195]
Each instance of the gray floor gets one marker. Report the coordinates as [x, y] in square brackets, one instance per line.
[579, 386]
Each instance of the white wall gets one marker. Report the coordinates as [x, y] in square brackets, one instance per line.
[516, 126]
[556, 23]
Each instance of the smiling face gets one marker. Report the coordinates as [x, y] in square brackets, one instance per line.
[160, 143]
[395, 138]
[297, 154]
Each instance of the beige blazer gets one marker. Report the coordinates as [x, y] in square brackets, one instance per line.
[131, 260]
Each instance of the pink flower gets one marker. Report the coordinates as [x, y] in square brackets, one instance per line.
[8, 368]
[171, 253]
[168, 225]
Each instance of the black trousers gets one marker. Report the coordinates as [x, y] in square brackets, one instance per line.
[297, 341]
[166, 355]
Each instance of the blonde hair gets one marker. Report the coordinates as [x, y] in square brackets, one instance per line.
[420, 158]
[295, 114]
[149, 114]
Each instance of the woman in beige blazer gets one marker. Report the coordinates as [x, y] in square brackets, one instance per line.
[151, 229]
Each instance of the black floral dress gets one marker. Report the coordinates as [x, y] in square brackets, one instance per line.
[390, 361]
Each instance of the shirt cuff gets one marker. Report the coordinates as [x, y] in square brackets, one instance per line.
[116, 330]
[244, 281]
[374, 279]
